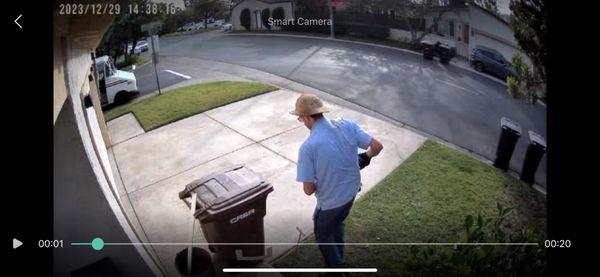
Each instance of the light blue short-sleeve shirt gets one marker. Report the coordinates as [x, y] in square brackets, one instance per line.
[328, 158]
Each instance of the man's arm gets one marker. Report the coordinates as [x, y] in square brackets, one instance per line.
[309, 188]
[375, 148]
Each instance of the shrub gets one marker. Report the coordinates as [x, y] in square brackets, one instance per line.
[512, 85]
[368, 30]
[486, 260]
[525, 79]
[278, 13]
[264, 15]
[245, 18]
[129, 60]
[518, 64]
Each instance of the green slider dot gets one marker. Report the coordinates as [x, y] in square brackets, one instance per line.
[97, 244]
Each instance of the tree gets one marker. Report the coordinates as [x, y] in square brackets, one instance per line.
[245, 18]
[278, 13]
[176, 20]
[408, 10]
[264, 15]
[127, 29]
[490, 5]
[209, 9]
[313, 8]
[528, 23]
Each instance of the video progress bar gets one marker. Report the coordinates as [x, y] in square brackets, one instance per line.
[346, 244]
[261, 270]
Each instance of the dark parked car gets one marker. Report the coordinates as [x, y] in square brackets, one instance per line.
[486, 59]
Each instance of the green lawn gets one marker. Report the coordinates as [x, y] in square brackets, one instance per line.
[180, 103]
[426, 199]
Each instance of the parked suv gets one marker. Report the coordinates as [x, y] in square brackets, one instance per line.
[485, 59]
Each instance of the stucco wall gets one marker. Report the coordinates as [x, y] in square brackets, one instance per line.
[255, 5]
[85, 207]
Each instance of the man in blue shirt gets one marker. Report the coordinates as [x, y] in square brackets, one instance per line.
[329, 167]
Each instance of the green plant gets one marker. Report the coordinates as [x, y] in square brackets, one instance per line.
[278, 13]
[518, 64]
[368, 30]
[512, 85]
[129, 60]
[245, 18]
[524, 79]
[264, 15]
[483, 260]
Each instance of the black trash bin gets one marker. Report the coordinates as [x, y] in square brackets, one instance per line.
[231, 204]
[428, 49]
[535, 152]
[444, 52]
[509, 135]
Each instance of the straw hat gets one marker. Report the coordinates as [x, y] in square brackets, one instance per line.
[309, 104]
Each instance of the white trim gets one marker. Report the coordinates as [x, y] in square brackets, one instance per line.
[103, 182]
[178, 74]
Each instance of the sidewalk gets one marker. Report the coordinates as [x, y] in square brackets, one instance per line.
[259, 132]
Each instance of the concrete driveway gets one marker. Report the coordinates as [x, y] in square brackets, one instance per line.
[447, 102]
[259, 132]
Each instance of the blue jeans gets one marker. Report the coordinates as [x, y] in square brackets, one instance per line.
[329, 228]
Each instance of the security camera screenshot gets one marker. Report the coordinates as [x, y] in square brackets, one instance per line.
[298, 138]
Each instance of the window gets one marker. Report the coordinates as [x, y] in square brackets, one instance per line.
[488, 54]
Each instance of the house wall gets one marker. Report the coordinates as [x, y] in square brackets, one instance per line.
[483, 29]
[254, 6]
[398, 34]
[85, 205]
[452, 34]
[490, 32]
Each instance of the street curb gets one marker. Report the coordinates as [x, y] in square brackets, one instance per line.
[374, 45]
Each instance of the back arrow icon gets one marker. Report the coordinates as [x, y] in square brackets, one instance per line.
[18, 22]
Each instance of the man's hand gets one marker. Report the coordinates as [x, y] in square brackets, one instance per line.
[309, 188]
[363, 160]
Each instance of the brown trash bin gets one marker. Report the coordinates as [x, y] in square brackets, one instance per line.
[231, 204]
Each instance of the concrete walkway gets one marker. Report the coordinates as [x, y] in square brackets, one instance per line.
[156, 165]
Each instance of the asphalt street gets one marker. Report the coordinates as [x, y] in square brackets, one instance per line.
[448, 102]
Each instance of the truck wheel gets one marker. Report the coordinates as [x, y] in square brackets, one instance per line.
[479, 66]
[122, 97]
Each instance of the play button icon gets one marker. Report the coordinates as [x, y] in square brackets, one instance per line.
[16, 243]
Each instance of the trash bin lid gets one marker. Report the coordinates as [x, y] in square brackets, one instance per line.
[224, 189]
[507, 123]
[537, 139]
